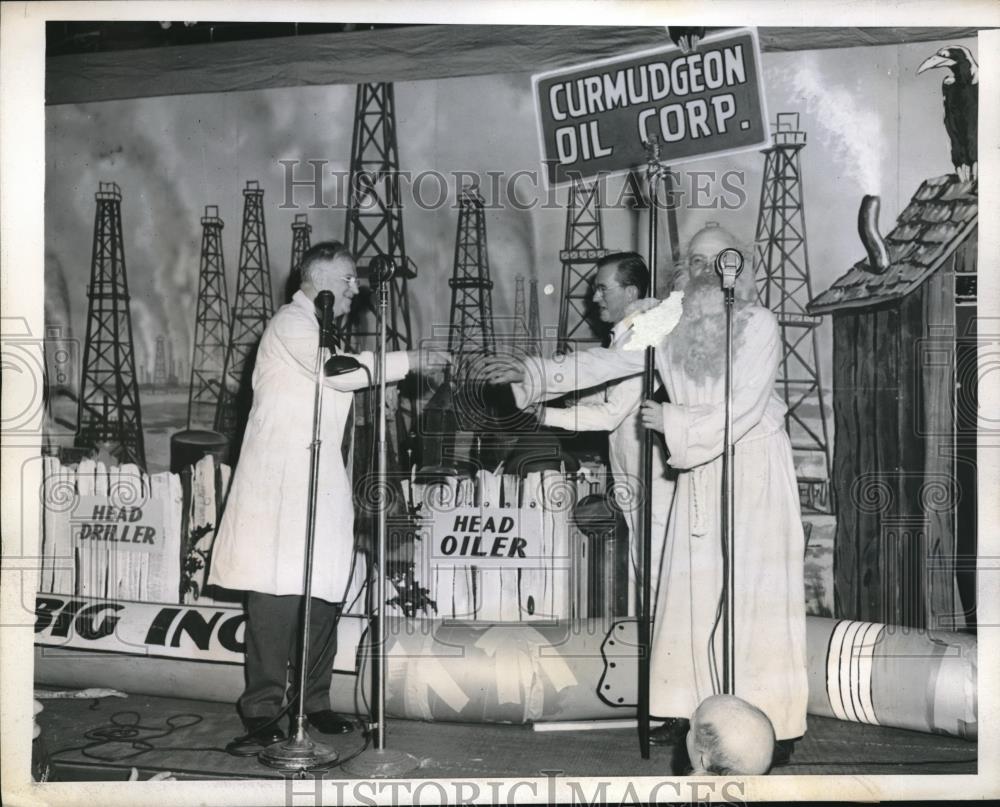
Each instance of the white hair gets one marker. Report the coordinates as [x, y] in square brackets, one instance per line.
[318, 254]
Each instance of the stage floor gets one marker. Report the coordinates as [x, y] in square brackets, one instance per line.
[194, 747]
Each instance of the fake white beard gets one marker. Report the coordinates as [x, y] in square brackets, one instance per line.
[700, 336]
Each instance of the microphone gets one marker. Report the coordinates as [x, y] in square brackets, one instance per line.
[728, 265]
[324, 312]
[381, 268]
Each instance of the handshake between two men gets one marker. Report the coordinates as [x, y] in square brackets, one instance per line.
[534, 381]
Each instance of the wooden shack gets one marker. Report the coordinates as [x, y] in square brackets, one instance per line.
[904, 369]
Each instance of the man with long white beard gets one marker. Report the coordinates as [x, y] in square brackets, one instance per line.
[686, 657]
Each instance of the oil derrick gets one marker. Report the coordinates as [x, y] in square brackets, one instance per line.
[211, 325]
[534, 322]
[471, 330]
[462, 422]
[172, 371]
[374, 227]
[520, 314]
[251, 311]
[109, 395]
[527, 327]
[300, 243]
[160, 363]
[300, 240]
[584, 247]
[781, 267]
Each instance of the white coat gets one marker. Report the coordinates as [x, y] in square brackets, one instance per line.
[769, 544]
[260, 545]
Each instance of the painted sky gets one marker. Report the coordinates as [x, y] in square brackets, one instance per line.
[873, 127]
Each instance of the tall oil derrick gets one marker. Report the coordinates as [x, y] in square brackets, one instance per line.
[172, 365]
[211, 325]
[300, 241]
[520, 312]
[160, 364]
[534, 322]
[781, 266]
[471, 329]
[460, 422]
[522, 337]
[251, 311]
[109, 394]
[301, 230]
[584, 247]
[374, 227]
[527, 327]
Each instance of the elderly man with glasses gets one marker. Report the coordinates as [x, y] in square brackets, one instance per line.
[260, 546]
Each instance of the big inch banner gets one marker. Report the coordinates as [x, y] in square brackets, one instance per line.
[594, 118]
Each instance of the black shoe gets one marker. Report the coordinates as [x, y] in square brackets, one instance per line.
[671, 732]
[263, 730]
[260, 733]
[327, 721]
[782, 753]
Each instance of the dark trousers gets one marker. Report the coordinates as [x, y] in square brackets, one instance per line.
[273, 651]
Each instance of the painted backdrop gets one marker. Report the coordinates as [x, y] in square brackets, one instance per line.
[873, 126]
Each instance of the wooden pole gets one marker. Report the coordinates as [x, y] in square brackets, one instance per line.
[653, 175]
[645, 644]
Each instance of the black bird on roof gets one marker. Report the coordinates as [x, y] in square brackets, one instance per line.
[961, 106]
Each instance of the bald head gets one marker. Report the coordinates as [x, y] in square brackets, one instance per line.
[709, 241]
[699, 267]
[730, 737]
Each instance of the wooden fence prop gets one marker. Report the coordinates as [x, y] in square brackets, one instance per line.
[469, 557]
[113, 532]
[117, 533]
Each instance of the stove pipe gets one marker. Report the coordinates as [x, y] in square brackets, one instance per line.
[878, 254]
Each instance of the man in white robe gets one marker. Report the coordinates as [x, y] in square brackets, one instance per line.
[686, 657]
[620, 288]
[260, 545]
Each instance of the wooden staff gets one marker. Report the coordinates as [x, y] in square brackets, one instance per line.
[653, 176]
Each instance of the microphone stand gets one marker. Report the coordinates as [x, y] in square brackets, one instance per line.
[299, 751]
[645, 645]
[381, 762]
[729, 264]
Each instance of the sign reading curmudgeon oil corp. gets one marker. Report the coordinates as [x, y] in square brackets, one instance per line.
[594, 119]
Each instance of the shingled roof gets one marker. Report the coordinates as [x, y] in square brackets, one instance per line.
[938, 218]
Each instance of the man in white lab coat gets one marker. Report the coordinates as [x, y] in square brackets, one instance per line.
[260, 546]
[620, 288]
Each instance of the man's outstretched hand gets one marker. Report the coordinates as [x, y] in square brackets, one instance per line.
[429, 359]
[499, 369]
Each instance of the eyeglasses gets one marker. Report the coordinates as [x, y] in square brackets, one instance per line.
[351, 280]
[602, 289]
